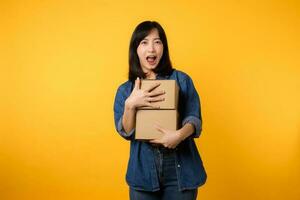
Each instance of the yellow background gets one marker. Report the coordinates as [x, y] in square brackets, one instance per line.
[62, 61]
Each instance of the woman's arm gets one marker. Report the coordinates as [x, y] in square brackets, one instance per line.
[191, 108]
[170, 138]
[128, 120]
[187, 130]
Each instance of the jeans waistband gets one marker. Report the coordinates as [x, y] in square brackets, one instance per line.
[163, 149]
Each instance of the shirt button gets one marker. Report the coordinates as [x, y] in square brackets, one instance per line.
[178, 165]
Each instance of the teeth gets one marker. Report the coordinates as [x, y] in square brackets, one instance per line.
[153, 57]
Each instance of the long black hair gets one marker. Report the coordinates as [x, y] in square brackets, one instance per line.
[164, 66]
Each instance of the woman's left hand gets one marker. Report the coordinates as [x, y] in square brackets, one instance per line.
[169, 139]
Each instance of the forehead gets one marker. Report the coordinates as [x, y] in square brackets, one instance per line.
[153, 34]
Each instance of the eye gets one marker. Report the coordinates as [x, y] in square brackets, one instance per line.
[143, 42]
[158, 42]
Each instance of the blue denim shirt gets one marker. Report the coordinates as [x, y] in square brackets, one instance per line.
[141, 171]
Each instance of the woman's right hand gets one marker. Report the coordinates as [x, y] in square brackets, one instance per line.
[140, 98]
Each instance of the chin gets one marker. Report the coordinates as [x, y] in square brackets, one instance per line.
[153, 66]
[149, 67]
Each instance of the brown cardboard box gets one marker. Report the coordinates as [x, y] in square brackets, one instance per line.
[171, 96]
[145, 120]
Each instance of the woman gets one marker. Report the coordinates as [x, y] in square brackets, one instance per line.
[169, 167]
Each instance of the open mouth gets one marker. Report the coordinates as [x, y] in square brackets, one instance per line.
[151, 59]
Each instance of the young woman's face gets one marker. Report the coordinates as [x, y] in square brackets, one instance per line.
[150, 51]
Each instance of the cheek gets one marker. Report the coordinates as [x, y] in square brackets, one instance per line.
[139, 53]
[161, 51]
[141, 50]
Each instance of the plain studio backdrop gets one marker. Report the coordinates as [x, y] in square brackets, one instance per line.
[62, 61]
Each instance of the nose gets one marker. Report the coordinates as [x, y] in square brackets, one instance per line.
[151, 47]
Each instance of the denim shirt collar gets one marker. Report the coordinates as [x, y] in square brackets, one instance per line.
[161, 77]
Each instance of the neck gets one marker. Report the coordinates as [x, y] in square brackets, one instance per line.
[150, 75]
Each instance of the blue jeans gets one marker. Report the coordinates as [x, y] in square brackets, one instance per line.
[166, 169]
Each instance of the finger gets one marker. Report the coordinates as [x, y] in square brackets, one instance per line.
[155, 99]
[156, 141]
[152, 105]
[159, 128]
[156, 93]
[152, 87]
[137, 83]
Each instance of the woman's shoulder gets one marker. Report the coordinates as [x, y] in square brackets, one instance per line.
[125, 86]
[182, 76]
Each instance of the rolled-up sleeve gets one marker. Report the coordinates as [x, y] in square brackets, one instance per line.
[191, 112]
[119, 102]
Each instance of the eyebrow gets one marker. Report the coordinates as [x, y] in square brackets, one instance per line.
[153, 39]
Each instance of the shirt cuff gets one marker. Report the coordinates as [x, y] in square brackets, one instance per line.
[122, 132]
[197, 124]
